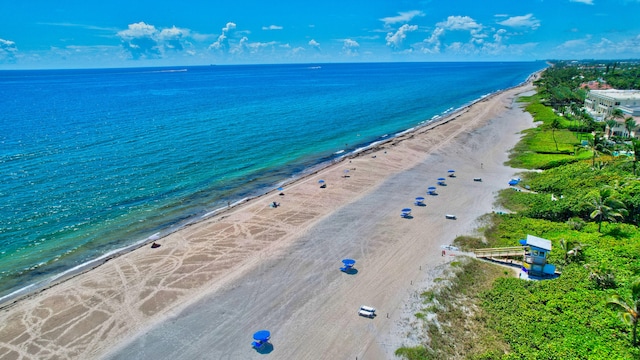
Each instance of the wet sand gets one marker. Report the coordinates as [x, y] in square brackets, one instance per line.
[210, 286]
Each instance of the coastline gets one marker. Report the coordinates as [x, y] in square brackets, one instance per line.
[66, 289]
[11, 298]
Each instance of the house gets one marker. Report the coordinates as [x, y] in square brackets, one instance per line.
[601, 103]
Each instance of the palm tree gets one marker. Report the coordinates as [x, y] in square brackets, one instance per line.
[570, 249]
[635, 144]
[630, 125]
[611, 123]
[617, 114]
[628, 311]
[605, 207]
[596, 144]
[555, 125]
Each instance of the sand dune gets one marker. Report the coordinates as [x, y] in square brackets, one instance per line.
[211, 285]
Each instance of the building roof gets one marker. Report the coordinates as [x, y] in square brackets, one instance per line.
[595, 85]
[618, 94]
[539, 242]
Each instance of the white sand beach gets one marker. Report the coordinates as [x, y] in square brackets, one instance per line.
[210, 286]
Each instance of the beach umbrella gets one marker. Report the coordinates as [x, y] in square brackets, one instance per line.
[406, 210]
[320, 181]
[419, 198]
[451, 171]
[348, 262]
[431, 188]
[280, 188]
[441, 179]
[262, 335]
[513, 182]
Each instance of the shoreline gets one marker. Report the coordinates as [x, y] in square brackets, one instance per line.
[263, 241]
[6, 301]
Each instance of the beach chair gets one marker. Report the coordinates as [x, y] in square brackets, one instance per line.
[450, 216]
[477, 179]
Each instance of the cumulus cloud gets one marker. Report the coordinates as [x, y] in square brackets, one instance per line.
[222, 43]
[402, 17]
[350, 47]
[459, 23]
[314, 44]
[395, 40]
[524, 21]
[453, 23]
[589, 46]
[8, 50]
[482, 40]
[146, 41]
[272, 27]
[588, 2]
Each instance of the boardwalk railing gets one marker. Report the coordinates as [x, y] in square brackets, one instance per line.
[500, 252]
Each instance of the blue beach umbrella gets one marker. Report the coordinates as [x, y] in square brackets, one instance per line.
[406, 210]
[320, 181]
[419, 198]
[348, 262]
[280, 188]
[262, 335]
[441, 179]
[513, 182]
[431, 188]
[451, 171]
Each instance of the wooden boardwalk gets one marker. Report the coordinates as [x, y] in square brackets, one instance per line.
[502, 252]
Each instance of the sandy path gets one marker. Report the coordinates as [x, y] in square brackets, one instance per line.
[210, 286]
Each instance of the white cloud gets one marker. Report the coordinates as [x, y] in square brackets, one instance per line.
[222, 43]
[459, 23]
[314, 44]
[453, 23]
[230, 26]
[272, 27]
[432, 44]
[8, 50]
[141, 40]
[588, 47]
[395, 40]
[499, 35]
[145, 41]
[483, 42]
[524, 21]
[576, 43]
[588, 2]
[403, 17]
[350, 47]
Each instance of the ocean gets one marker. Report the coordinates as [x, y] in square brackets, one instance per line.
[95, 161]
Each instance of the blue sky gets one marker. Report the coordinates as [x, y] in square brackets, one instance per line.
[116, 33]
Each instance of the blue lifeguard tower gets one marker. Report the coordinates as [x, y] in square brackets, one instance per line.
[536, 252]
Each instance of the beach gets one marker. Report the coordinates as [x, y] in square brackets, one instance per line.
[211, 285]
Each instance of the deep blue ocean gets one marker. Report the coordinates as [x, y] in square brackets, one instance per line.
[92, 161]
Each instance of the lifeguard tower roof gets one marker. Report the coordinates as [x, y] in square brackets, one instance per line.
[539, 242]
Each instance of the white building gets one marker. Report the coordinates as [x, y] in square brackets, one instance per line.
[601, 103]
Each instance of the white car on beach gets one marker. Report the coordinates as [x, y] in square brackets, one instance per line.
[367, 311]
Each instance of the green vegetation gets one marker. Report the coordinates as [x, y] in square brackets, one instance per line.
[587, 202]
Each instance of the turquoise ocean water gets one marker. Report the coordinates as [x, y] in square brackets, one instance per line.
[93, 161]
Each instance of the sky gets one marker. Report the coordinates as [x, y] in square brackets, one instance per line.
[48, 34]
